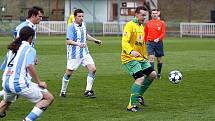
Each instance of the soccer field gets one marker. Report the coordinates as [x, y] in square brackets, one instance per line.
[191, 100]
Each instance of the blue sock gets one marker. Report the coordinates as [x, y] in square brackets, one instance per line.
[34, 114]
[66, 76]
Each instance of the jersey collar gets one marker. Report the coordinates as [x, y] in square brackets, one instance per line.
[78, 25]
[136, 21]
[31, 24]
[25, 42]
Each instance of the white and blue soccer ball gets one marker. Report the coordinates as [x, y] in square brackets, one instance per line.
[175, 77]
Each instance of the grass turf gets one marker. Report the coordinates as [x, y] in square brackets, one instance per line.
[191, 100]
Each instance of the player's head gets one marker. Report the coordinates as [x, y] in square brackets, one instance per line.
[35, 14]
[26, 34]
[155, 13]
[140, 14]
[79, 16]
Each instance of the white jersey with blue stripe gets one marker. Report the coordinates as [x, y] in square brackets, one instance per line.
[23, 24]
[16, 76]
[77, 33]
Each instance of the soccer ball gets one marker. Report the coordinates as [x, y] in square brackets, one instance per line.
[175, 76]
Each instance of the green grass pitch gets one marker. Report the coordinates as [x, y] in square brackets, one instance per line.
[191, 100]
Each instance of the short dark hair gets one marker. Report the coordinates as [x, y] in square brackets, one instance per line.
[35, 11]
[140, 8]
[78, 11]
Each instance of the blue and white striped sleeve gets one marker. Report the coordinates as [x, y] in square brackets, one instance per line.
[31, 56]
[70, 32]
[3, 66]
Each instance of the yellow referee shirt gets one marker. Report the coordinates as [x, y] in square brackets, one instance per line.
[71, 19]
[133, 39]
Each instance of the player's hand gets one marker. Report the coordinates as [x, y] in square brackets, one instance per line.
[156, 40]
[81, 45]
[135, 53]
[37, 61]
[99, 42]
[42, 84]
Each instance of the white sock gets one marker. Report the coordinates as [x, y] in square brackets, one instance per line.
[2, 93]
[90, 80]
[34, 114]
[64, 85]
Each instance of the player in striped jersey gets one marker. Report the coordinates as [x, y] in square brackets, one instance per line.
[35, 15]
[78, 53]
[18, 70]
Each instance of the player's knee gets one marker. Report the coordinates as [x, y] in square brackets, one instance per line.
[152, 75]
[139, 77]
[49, 97]
[140, 80]
[69, 72]
[159, 61]
[151, 59]
[92, 70]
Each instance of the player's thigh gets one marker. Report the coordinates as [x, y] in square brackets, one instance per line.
[159, 52]
[88, 60]
[133, 67]
[146, 67]
[73, 64]
[33, 93]
[150, 48]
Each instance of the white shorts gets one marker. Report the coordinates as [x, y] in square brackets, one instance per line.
[73, 64]
[33, 93]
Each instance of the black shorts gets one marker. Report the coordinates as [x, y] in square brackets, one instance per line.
[155, 48]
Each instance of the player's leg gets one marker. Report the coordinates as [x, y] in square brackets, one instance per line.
[72, 65]
[42, 97]
[151, 60]
[159, 66]
[90, 65]
[65, 82]
[3, 107]
[150, 50]
[90, 79]
[159, 52]
[150, 76]
[136, 92]
[6, 102]
[134, 69]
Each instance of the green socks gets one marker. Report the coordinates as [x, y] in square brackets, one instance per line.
[145, 85]
[135, 92]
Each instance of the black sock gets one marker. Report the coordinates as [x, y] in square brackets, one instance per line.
[159, 66]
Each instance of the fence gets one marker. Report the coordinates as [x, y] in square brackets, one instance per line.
[111, 28]
[197, 29]
[59, 27]
[49, 27]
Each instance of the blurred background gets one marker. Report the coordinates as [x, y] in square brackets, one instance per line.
[104, 17]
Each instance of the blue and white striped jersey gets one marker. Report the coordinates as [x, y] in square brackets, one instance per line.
[16, 76]
[76, 33]
[23, 24]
